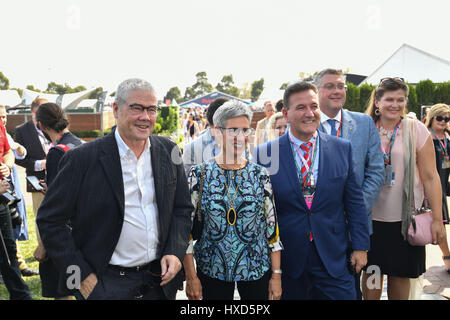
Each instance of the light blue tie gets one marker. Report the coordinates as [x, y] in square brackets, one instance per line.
[332, 123]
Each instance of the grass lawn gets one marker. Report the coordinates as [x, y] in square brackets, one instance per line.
[27, 248]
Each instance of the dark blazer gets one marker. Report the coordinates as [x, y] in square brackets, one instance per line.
[337, 191]
[89, 192]
[27, 136]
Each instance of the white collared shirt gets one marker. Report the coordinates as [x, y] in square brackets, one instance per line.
[297, 158]
[138, 240]
[326, 125]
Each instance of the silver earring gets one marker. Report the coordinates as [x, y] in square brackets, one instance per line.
[377, 112]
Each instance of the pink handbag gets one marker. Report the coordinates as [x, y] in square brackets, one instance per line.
[419, 232]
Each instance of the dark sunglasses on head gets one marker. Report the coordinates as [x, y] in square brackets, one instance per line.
[392, 79]
[440, 118]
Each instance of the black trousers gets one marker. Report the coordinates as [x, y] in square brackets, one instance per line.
[126, 285]
[215, 289]
[17, 288]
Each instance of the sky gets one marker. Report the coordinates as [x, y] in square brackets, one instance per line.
[101, 43]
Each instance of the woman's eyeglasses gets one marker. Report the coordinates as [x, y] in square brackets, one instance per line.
[440, 118]
[234, 132]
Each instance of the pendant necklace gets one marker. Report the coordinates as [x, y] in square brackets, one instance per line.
[231, 209]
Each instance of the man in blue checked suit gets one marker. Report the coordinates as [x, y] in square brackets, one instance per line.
[319, 203]
[360, 130]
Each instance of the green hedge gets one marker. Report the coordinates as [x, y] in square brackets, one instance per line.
[424, 93]
[88, 134]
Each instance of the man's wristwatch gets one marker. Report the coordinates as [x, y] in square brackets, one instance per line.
[277, 271]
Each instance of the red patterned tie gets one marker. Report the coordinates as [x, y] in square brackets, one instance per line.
[306, 147]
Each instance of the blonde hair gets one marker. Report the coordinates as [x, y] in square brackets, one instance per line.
[270, 127]
[436, 110]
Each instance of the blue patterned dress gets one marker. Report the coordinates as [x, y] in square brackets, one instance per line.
[240, 251]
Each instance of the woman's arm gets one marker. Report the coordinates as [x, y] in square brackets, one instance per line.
[426, 162]
[193, 285]
[275, 281]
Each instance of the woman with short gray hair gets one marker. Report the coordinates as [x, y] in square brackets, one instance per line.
[235, 222]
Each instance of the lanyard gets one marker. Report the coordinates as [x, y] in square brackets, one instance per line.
[309, 175]
[338, 134]
[386, 155]
[443, 144]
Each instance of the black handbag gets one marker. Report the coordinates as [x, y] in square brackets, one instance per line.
[197, 225]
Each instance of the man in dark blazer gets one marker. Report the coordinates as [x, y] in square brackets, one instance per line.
[127, 200]
[37, 146]
[318, 201]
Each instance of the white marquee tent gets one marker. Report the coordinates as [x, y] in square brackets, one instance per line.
[412, 64]
[66, 101]
[9, 98]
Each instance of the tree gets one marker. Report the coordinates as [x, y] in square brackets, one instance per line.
[95, 94]
[54, 87]
[284, 86]
[365, 90]
[425, 92]
[189, 94]
[442, 93]
[353, 98]
[226, 85]
[413, 105]
[174, 93]
[256, 89]
[200, 87]
[4, 82]
[32, 88]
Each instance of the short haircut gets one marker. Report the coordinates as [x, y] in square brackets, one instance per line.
[37, 102]
[318, 78]
[129, 85]
[212, 108]
[231, 109]
[279, 105]
[296, 87]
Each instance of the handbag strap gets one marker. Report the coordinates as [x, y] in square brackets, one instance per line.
[200, 194]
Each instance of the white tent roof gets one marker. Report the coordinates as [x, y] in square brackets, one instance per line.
[412, 64]
[87, 103]
[9, 98]
[66, 101]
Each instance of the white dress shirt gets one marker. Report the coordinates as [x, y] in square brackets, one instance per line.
[138, 240]
[326, 125]
[38, 164]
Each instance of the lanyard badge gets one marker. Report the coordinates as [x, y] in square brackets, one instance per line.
[389, 174]
[443, 147]
[309, 187]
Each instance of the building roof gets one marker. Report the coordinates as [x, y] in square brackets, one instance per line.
[412, 64]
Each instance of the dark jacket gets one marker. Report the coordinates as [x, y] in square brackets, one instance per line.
[27, 136]
[89, 192]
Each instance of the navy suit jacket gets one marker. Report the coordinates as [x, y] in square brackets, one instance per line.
[337, 211]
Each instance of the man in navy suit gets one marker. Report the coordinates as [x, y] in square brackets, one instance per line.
[360, 129]
[319, 203]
